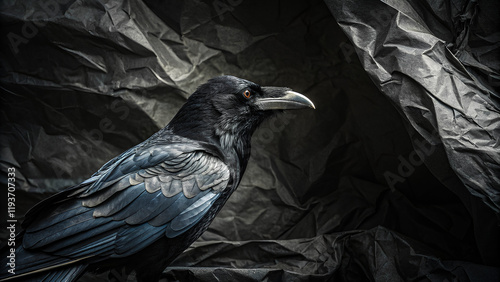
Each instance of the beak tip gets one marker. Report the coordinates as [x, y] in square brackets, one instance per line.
[302, 98]
[286, 100]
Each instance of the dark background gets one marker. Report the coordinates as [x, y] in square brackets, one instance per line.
[395, 175]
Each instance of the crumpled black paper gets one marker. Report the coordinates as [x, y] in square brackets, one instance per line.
[394, 176]
[440, 65]
[373, 255]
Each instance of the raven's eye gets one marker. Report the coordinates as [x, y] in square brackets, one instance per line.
[247, 94]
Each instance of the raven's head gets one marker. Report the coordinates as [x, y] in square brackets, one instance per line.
[228, 109]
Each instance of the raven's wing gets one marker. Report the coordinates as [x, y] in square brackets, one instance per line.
[160, 190]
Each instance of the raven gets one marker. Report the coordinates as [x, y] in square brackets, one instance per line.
[147, 205]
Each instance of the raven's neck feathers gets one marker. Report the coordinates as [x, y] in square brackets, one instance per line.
[208, 121]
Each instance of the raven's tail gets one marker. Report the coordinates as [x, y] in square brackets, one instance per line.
[70, 273]
[26, 266]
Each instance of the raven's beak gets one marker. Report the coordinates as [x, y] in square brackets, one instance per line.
[276, 98]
